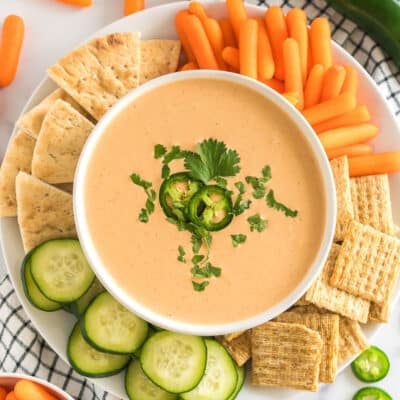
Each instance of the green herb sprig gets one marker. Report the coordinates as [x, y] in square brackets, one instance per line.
[151, 197]
[273, 203]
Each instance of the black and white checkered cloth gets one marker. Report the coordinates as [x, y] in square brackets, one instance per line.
[23, 350]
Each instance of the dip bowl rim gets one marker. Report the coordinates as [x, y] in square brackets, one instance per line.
[134, 305]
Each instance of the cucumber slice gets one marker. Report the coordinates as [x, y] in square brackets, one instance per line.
[32, 292]
[220, 378]
[60, 270]
[79, 306]
[139, 387]
[88, 361]
[109, 326]
[150, 333]
[174, 361]
[241, 373]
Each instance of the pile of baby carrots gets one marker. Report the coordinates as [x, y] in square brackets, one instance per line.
[295, 60]
[26, 390]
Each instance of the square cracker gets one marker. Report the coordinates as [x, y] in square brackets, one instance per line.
[44, 212]
[100, 72]
[345, 212]
[322, 294]
[368, 263]
[239, 348]
[352, 340]
[158, 57]
[18, 157]
[327, 325]
[230, 336]
[59, 144]
[371, 202]
[285, 355]
[31, 122]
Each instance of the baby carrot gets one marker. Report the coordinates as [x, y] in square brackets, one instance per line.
[277, 33]
[310, 62]
[350, 83]
[296, 21]
[237, 14]
[248, 48]
[357, 116]
[313, 86]
[3, 393]
[347, 136]
[199, 42]
[320, 40]
[275, 84]
[25, 389]
[292, 69]
[227, 32]
[132, 6]
[10, 48]
[179, 26]
[231, 57]
[189, 66]
[12, 396]
[350, 151]
[373, 164]
[292, 97]
[198, 10]
[216, 39]
[79, 3]
[265, 62]
[333, 82]
[330, 109]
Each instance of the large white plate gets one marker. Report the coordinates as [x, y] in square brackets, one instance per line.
[158, 22]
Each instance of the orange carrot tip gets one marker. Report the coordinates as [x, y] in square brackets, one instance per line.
[197, 9]
[275, 84]
[248, 41]
[189, 66]
[296, 14]
[355, 150]
[25, 389]
[132, 6]
[374, 164]
[237, 14]
[78, 3]
[320, 40]
[292, 97]
[231, 56]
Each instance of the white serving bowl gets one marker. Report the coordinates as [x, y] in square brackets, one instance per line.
[8, 380]
[133, 303]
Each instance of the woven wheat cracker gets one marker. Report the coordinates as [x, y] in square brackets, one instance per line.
[327, 325]
[44, 212]
[368, 263]
[322, 294]
[285, 355]
[18, 157]
[239, 348]
[352, 340]
[345, 213]
[230, 336]
[59, 144]
[372, 204]
[100, 72]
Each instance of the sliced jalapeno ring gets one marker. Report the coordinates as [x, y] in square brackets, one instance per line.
[175, 193]
[211, 208]
[372, 393]
[371, 365]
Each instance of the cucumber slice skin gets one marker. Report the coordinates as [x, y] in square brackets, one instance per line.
[78, 349]
[43, 272]
[78, 307]
[160, 343]
[241, 374]
[218, 356]
[108, 338]
[31, 290]
[139, 387]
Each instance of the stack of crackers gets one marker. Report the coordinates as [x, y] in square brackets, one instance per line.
[38, 169]
[306, 344]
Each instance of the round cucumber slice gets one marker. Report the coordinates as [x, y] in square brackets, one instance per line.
[174, 361]
[241, 373]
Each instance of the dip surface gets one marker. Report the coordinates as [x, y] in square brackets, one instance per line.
[142, 257]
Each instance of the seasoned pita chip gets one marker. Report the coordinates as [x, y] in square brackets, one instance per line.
[59, 144]
[322, 294]
[158, 57]
[239, 348]
[230, 336]
[31, 122]
[372, 204]
[18, 157]
[285, 355]
[44, 212]
[100, 72]
[368, 263]
[352, 340]
[345, 213]
[327, 325]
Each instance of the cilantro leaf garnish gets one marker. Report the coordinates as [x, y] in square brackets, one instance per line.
[273, 203]
[151, 197]
[174, 154]
[257, 223]
[137, 180]
[240, 187]
[144, 216]
[159, 150]
[165, 171]
[196, 243]
[213, 159]
[238, 239]
[199, 287]
[258, 184]
[149, 206]
[266, 173]
[221, 182]
[239, 207]
[181, 257]
[207, 271]
[197, 258]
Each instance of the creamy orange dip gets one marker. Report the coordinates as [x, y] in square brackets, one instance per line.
[142, 257]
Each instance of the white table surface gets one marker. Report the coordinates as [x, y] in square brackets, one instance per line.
[52, 29]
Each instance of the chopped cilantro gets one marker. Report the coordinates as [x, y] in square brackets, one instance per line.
[266, 173]
[238, 239]
[165, 171]
[196, 243]
[272, 203]
[174, 154]
[197, 258]
[144, 216]
[159, 150]
[149, 206]
[199, 287]
[241, 187]
[257, 223]
[258, 186]
[181, 257]
[239, 207]
[207, 271]
[137, 180]
[151, 196]
[221, 182]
